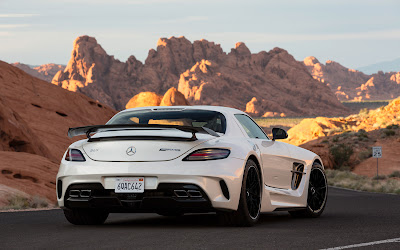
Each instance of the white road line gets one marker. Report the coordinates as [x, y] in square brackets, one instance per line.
[365, 244]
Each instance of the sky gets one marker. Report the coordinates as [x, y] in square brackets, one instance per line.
[354, 33]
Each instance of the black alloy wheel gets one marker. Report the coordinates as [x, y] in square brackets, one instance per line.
[317, 190]
[317, 194]
[253, 190]
[248, 212]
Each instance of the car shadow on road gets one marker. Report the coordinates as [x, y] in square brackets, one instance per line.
[189, 220]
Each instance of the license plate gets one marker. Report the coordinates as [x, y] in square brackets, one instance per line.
[129, 185]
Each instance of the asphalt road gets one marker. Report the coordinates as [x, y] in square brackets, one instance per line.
[350, 218]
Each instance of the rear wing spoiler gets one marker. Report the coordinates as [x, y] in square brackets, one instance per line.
[88, 130]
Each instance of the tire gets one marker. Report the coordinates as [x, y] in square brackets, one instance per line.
[248, 212]
[317, 194]
[85, 216]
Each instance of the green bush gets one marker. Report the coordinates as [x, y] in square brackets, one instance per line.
[388, 132]
[392, 126]
[365, 154]
[362, 134]
[395, 174]
[341, 155]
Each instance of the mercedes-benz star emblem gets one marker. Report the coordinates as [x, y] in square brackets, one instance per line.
[131, 151]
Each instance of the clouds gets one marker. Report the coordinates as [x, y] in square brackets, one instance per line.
[17, 15]
[255, 37]
[13, 26]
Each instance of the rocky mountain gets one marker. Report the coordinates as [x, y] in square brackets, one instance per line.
[350, 84]
[34, 119]
[204, 74]
[45, 72]
[93, 72]
[387, 66]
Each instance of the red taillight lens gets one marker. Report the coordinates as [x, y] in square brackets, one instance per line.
[208, 154]
[74, 155]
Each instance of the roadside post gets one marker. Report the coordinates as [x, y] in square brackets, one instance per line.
[377, 153]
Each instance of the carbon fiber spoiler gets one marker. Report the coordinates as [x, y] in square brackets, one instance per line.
[88, 130]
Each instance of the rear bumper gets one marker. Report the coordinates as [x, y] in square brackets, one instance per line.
[213, 178]
[163, 199]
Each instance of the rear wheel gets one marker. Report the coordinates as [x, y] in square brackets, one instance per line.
[85, 216]
[248, 211]
[317, 194]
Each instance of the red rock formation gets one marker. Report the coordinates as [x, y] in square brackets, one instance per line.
[100, 76]
[279, 84]
[34, 120]
[202, 72]
[45, 72]
[144, 99]
[349, 84]
[173, 98]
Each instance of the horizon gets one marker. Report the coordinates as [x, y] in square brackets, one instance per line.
[43, 32]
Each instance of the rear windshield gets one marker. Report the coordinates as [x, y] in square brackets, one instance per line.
[195, 118]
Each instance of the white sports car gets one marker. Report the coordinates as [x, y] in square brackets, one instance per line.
[187, 159]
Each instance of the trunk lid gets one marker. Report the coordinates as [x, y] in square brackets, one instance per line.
[141, 150]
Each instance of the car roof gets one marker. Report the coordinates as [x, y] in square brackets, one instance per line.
[197, 107]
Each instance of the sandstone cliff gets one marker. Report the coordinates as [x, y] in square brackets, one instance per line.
[34, 119]
[93, 72]
[144, 99]
[46, 72]
[349, 84]
[203, 73]
[264, 84]
[355, 133]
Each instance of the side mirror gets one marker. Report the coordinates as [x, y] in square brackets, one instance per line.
[279, 134]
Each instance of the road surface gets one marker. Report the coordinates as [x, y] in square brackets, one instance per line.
[351, 219]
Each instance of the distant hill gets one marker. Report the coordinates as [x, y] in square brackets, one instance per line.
[387, 66]
[44, 72]
[352, 85]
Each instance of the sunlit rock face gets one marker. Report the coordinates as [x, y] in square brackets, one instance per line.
[349, 84]
[203, 73]
[34, 119]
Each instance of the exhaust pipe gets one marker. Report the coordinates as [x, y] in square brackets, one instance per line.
[181, 193]
[86, 193]
[74, 193]
[194, 194]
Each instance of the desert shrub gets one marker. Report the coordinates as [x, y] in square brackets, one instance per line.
[334, 131]
[395, 174]
[18, 202]
[392, 126]
[364, 112]
[347, 179]
[388, 132]
[341, 154]
[325, 141]
[380, 177]
[22, 202]
[362, 134]
[365, 154]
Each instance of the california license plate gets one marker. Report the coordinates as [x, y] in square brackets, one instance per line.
[129, 185]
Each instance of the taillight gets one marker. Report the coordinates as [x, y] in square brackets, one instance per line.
[74, 155]
[208, 154]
